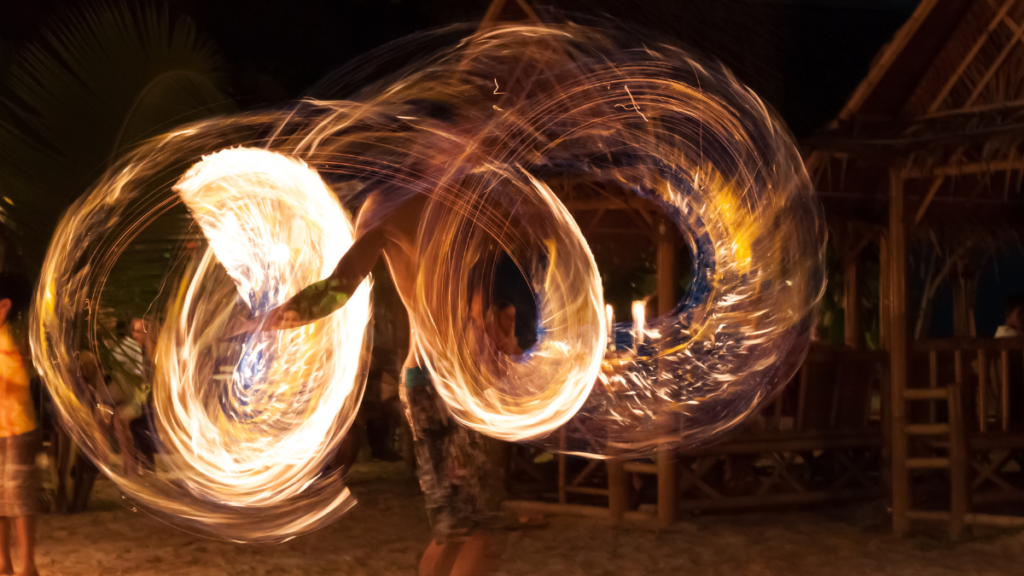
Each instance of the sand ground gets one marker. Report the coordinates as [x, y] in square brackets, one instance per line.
[385, 533]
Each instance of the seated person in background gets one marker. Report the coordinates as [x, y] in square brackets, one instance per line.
[118, 382]
[1012, 327]
[18, 436]
[501, 328]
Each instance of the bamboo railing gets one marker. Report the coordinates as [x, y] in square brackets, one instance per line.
[831, 415]
[964, 416]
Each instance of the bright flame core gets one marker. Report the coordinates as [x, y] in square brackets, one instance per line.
[275, 228]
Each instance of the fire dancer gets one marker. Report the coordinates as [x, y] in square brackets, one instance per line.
[452, 463]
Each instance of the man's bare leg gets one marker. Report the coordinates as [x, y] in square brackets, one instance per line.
[126, 446]
[477, 556]
[438, 559]
[5, 547]
[27, 545]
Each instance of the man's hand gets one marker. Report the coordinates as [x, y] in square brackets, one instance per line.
[314, 302]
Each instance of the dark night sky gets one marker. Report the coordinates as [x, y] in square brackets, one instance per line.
[803, 56]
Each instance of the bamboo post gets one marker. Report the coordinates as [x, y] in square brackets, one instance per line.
[958, 367]
[851, 313]
[960, 494]
[982, 390]
[884, 312]
[898, 350]
[666, 487]
[667, 496]
[1004, 393]
[933, 382]
[616, 491]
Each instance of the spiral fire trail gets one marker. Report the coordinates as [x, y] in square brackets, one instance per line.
[485, 134]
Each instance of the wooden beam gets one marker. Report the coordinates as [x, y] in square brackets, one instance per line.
[878, 70]
[608, 203]
[617, 490]
[1007, 106]
[528, 10]
[966, 168]
[954, 344]
[932, 190]
[493, 15]
[619, 231]
[995, 66]
[970, 56]
[886, 59]
[595, 219]
[898, 351]
[977, 519]
[641, 217]
[736, 502]
[595, 513]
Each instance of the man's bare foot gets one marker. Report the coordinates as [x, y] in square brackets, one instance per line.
[29, 571]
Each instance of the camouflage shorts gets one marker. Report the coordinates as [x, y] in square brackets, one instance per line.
[460, 484]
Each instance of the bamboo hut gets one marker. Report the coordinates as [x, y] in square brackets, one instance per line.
[928, 146]
[821, 440]
[923, 160]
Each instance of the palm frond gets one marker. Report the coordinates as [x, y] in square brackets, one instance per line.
[102, 81]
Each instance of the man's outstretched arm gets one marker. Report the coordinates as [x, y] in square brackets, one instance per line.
[324, 297]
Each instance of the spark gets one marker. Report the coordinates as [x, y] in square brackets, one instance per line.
[634, 106]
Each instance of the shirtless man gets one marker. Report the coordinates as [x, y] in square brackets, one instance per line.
[451, 459]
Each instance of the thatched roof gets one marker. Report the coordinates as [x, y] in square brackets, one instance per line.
[944, 100]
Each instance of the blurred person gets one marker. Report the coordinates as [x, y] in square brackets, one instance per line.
[113, 383]
[141, 427]
[119, 380]
[18, 435]
[83, 471]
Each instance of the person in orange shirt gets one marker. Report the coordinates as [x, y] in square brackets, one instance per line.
[18, 438]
